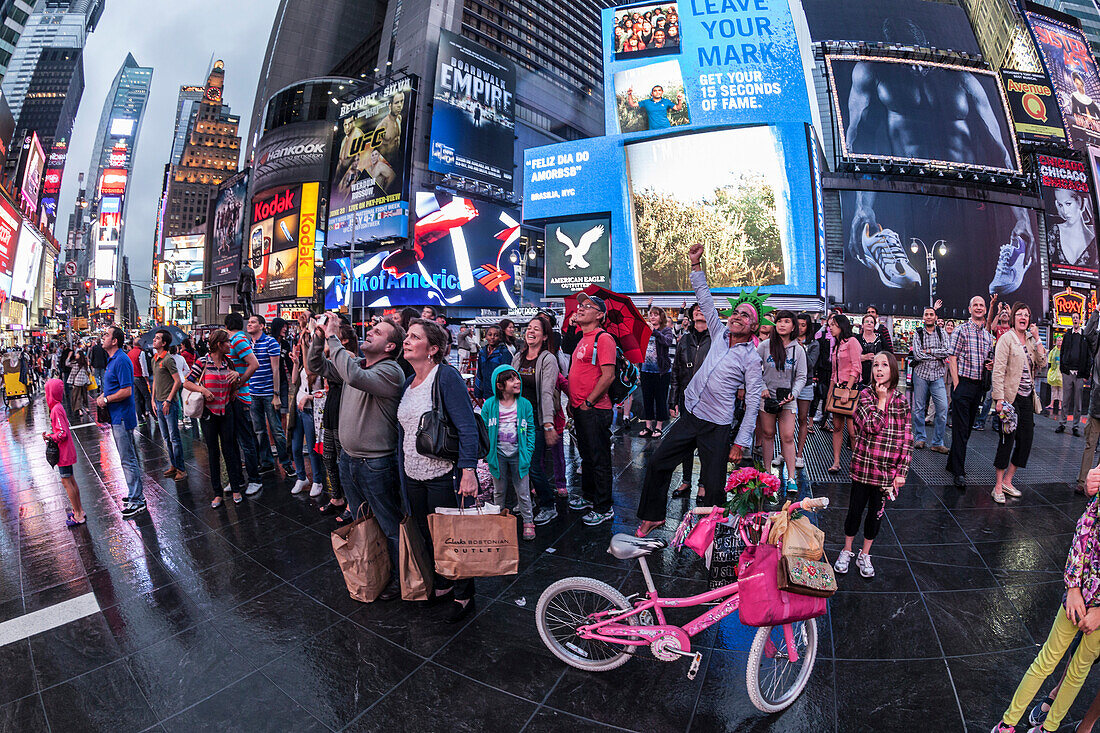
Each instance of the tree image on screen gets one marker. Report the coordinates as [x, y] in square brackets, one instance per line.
[738, 224]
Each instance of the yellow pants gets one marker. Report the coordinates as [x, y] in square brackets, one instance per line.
[1061, 636]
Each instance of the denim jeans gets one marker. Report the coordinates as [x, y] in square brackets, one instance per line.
[246, 439]
[263, 415]
[374, 481]
[538, 480]
[170, 429]
[127, 454]
[922, 390]
[302, 441]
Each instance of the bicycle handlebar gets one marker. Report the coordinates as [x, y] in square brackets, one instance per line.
[806, 505]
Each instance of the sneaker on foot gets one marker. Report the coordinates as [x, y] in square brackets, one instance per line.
[300, 485]
[132, 508]
[253, 488]
[594, 517]
[842, 560]
[546, 515]
[777, 461]
[799, 462]
[267, 469]
[864, 563]
[1037, 714]
[579, 503]
[316, 489]
[1002, 728]
[792, 487]
[227, 489]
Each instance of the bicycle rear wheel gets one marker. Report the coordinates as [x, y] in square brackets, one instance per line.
[570, 603]
[774, 681]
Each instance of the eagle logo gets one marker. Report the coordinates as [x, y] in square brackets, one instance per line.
[576, 252]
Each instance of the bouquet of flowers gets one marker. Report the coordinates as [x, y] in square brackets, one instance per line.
[749, 489]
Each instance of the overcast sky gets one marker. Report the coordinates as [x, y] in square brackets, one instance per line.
[179, 40]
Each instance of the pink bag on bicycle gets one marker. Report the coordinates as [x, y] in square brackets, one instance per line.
[761, 601]
[701, 536]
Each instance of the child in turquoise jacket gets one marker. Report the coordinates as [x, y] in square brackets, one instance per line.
[511, 423]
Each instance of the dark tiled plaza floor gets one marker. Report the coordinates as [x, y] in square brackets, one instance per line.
[238, 619]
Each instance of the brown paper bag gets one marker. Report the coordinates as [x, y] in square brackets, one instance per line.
[360, 549]
[414, 564]
[474, 545]
[799, 537]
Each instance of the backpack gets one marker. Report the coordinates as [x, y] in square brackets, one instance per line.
[627, 375]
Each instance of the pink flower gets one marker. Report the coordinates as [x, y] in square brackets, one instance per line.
[771, 483]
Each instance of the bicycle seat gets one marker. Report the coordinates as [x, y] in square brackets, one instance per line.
[628, 547]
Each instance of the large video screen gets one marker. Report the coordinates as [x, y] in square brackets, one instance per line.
[368, 192]
[473, 112]
[646, 29]
[183, 256]
[9, 239]
[1072, 70]
[461, 255]
[230, 209]
[976, 248]
[28, 258]
[578, 254]
[1070, 218]
[914, 23]
[920, 111]
[724, 188]
[34, 161]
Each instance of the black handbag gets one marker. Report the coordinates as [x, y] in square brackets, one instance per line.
[437, 436]
[53, 452]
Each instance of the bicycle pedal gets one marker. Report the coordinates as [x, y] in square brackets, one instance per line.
[696, 660]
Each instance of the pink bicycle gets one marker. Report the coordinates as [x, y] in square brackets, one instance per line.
[590, 625]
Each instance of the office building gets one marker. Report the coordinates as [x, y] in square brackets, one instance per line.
[186, 106]
[1002, 34]
[308, 38]
[14, 15]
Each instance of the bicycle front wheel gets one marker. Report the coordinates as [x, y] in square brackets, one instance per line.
[570, 603]
[774, 681]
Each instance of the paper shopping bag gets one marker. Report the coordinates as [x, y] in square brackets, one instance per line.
[360, 549]
[414, 564]
[474, 545]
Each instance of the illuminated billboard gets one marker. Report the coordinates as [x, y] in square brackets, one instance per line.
[958, 118]
[282, 241]
[108, 231]
[183, 257]
[916, 23]
[34, 161]
[1072, 70]
[294, 153]
[368, 192]
[228, 223]
[49, 266]
[578, 254]
[1070, 218]
[113, 182]
[9, 238]
[699, 136]
[1033, 106]
[121, 127]
[646, 29]
[473, 112]
[462, 255]
[28, 258]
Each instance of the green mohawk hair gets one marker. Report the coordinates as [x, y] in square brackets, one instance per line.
[754, 298]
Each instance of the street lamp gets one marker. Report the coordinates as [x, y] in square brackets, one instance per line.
[939, 247]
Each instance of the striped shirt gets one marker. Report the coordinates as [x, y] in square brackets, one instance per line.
[214, 378]
[973, 344]
[240, 346]
[262, 383]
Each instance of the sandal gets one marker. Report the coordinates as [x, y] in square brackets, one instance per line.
[645, 433]
[217, 503]
[331, 508]
[833, 469]
[70, 520]
[681, 491]
[238, 498]
[344, 518]
[657, 433]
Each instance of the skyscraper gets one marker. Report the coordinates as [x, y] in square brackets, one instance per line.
[186, 106]
[14, 15]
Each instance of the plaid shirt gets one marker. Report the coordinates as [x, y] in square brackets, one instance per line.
[972, 346]
[883, 442]
[929, 352]
[1083, 563]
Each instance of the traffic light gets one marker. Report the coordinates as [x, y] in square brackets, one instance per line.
[87, 286]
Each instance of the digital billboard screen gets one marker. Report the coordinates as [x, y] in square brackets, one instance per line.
[9, 238]
[31, 186]
[473, 112]
[28, 258]
[578, 254]
[1033, 106]
[977, 248]
[461, 255]
[49, 265]
[282, 241]
[921, 111]
[183, 256]
[646, 29]
[1070, 218]
[1072, 70]
[228, 224]
[113, 182]
[368, 197]
[293, 153]
[915, 23]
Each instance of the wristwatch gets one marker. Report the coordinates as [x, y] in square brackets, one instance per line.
[589, 404]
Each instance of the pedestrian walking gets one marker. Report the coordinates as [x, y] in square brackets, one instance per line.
[1075, 365]
[656, 374]
[723, 398]
[166, 385]
[78, 379]
[930, 352]
[118, 398]
[492, 355]
[846, 357]
[784, 368]
[510, 420]
[63, 437]
[215, 378]
[968, 364]
[97, 357]
[1017, 358]
[429, 481]
[881, 451]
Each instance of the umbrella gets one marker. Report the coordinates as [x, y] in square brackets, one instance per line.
[145, 340]
[623, 321]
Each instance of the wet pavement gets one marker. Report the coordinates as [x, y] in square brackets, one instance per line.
[238, 619]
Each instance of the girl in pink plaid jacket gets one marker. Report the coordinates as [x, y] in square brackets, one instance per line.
[881, 452]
